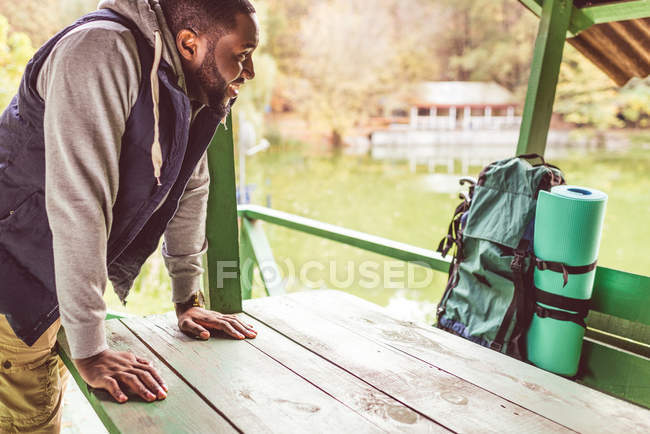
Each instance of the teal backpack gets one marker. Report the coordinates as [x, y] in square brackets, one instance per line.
[489, 297]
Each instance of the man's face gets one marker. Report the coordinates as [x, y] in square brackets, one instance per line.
[226, 64]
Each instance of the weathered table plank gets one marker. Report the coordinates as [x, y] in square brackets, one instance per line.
[566, 402]
[252, 390]
[182, 411]
[450, 401]
[386, 412]
[325, 361]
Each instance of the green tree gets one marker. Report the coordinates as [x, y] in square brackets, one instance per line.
[255, 97]
[335, 57]
[283, 25]
[15, 51]
[39, 19]
[487, 40]
[70, 10]
[585, 95]
[634, 103]
[338, 57]
[345, 62]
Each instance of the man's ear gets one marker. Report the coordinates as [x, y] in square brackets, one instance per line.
[187, 43]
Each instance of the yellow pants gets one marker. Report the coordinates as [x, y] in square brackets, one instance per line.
[32, 381]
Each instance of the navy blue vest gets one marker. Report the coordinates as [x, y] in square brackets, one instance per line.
[27, 288]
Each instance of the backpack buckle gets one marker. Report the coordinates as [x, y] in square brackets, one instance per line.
[541, 312]
[496, 346]
[517, 262]
[541, 265]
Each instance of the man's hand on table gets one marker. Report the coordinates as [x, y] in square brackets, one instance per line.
[120, 373]
[197, 322]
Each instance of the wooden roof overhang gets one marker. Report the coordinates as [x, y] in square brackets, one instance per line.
[613, 34]
[620, 49]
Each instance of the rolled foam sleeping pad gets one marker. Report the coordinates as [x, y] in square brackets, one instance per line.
[568, 227]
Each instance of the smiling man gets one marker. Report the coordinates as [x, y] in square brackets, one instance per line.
[102, 153]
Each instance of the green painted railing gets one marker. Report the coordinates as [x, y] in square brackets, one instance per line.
[372, 243]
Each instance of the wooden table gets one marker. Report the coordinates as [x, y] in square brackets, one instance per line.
[326, 361]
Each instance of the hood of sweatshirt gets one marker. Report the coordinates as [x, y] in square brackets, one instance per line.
[149, 17]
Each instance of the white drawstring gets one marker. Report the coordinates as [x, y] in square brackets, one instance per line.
[156, 150]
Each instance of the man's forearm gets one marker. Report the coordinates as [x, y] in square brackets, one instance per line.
[185, 242]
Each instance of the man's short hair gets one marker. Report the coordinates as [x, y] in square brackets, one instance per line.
[216, 17]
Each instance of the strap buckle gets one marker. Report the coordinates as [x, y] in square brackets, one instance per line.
[558, 267]
[517, 262]
[542, 312]
[560, 315]
[496, 346]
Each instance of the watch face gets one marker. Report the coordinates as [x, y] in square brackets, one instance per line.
[199, 300]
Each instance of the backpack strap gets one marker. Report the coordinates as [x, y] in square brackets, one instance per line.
[454, 237]
[454, 233]
[579, 306]
[560, 315]
[560, 267]
[520, 304]
[573, 304]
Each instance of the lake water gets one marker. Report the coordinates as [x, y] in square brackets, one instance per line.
[389, 200]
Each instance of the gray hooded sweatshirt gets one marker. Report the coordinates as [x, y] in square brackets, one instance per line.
[89, 84]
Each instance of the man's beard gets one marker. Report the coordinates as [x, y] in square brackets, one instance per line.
[214, 85]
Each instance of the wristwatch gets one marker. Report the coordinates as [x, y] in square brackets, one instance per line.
[196, 300]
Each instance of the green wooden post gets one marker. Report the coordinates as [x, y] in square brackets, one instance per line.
[224, 290]
[544, 72]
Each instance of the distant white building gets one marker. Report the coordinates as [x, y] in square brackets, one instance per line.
[454, 105]
[440, 123]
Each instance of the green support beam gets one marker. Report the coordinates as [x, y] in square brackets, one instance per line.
[578, 21]
[608, 13]
[248, 262]
[258, 253]
[224, 289]
[582, 19]
[535, 6]
[544, 73]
